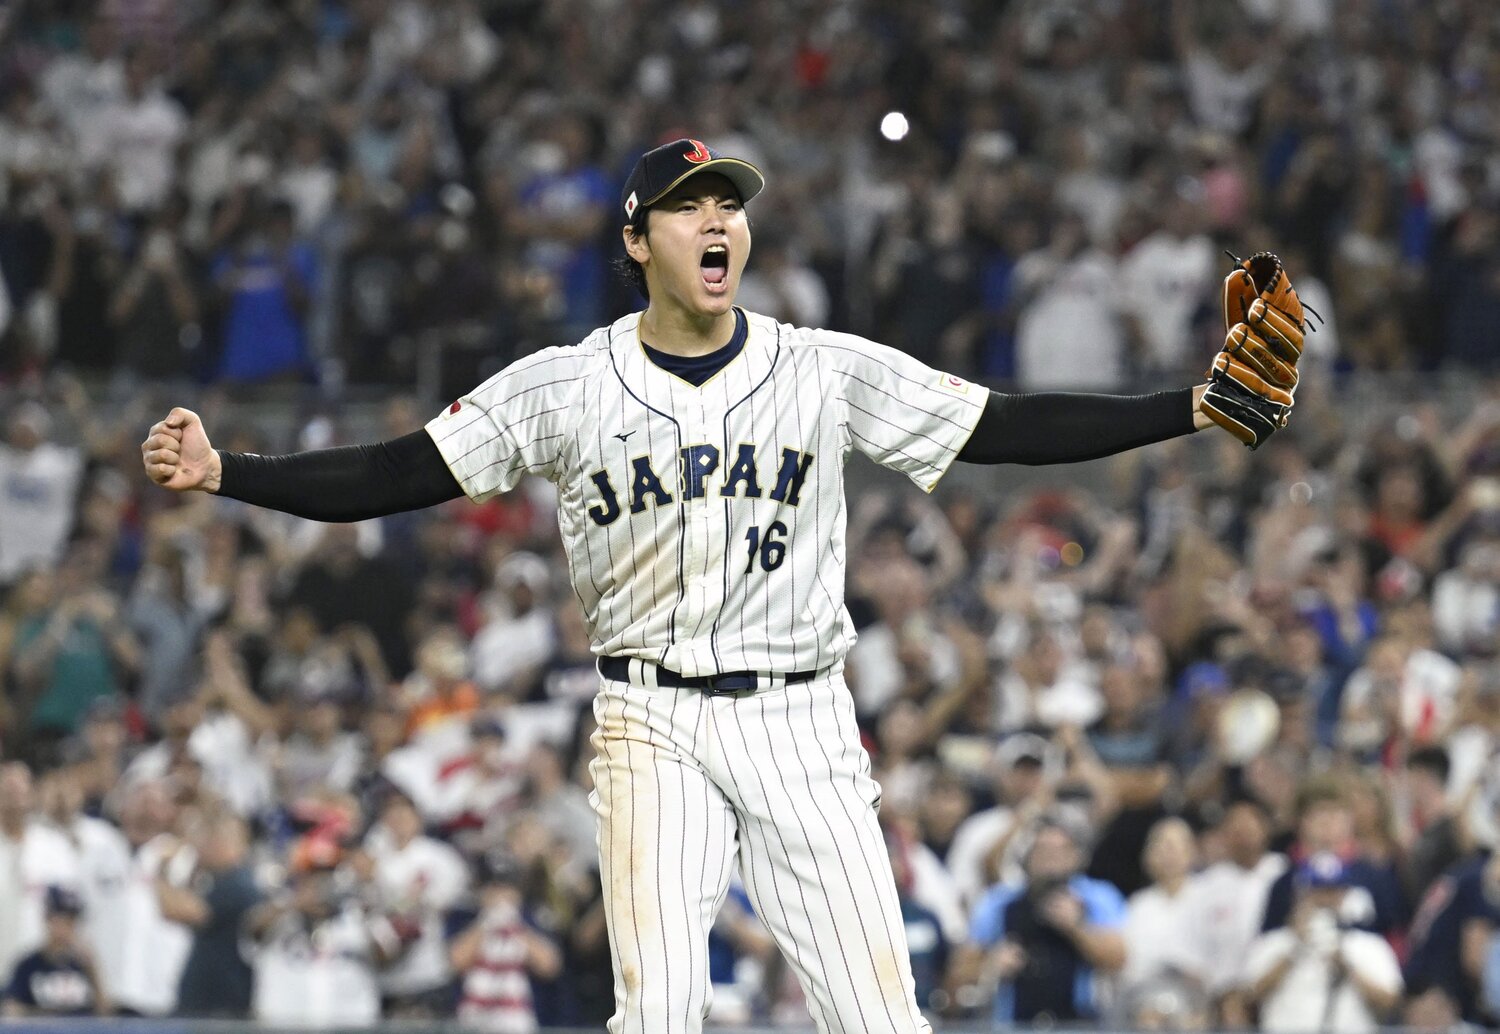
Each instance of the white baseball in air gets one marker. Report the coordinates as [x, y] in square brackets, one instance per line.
[894, 126]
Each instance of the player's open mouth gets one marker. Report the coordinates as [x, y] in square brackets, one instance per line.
[714, 266]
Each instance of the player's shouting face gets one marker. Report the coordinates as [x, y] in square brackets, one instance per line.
[695, 246]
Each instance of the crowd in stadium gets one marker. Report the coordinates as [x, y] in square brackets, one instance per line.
[1215, 751]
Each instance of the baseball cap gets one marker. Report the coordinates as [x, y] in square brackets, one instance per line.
[1020, 748]
[62, 901]
[659, 170]
[1322, 870]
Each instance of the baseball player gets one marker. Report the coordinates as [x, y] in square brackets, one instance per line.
[698, 452]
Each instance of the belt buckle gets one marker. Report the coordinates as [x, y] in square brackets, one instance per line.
[733, 682]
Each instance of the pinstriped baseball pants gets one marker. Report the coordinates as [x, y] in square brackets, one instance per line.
[685, 785]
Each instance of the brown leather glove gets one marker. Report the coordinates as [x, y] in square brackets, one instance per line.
[1252, 382]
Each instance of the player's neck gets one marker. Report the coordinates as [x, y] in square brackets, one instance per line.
[677, 332]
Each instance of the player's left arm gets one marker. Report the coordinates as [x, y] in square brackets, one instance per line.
[905, 415]
[1069, 427]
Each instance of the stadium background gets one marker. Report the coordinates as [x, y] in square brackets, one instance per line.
[317, 221]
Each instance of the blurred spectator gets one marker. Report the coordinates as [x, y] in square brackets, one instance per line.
[1049, 941]
[59, 978]
[216, 978]
[509, 651]
[1402, 691]
[1068, 336]
[341, 586]
[104, 862]
[1325, 825]
[73, 650]
[1042, 689]
[33, 856]
[1165, 279]
[317, 753]
[155, 308]
[1451, 932]
[155, 948]
[559, 212]
[986, 848]
[1315, 971]
[926, 941]
[265, 277]
[1228, 902]
[782, 285]
[1159, 920]
[39, 483]
[316, 952]
[141, 132]
[497, 954]
[414, 880]
[167, 626]
[1437, 843]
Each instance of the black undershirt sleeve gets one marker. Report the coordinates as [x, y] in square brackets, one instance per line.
[353, 483]
[1066, 427]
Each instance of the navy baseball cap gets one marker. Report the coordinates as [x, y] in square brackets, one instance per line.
[1324, 869]
[659, 170]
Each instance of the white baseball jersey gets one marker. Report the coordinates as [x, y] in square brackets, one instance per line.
[704, 525]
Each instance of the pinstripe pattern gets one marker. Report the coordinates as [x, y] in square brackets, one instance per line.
[777, 780]
[670, 570]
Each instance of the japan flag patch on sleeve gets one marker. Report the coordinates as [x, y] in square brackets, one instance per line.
[955, 385]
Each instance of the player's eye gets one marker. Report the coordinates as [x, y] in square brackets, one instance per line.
[730, 206]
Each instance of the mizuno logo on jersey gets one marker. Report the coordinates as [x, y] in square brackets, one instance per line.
[697, 466]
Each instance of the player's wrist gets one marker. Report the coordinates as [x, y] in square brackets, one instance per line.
[1200, 419]
[213, 477]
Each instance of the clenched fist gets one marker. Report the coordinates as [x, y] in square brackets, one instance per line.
[176, 454]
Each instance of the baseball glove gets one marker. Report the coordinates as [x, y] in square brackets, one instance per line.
[1253, 381]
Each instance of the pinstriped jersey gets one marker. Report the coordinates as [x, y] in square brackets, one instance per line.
[704, 525]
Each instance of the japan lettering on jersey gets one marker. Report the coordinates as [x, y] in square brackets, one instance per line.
[704, 525]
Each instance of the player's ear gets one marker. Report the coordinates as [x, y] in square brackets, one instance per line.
[637, 246]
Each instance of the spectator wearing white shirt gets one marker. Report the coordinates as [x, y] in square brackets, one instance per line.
[1401, 689]
[1313, 974]
[416, 881]
[141, 134]
[1068, 333]
[317, 950]
[1228, 900]
[154, 949]
[39, 482]
[1041, 688]
[1166, 278]
[33, 856]
[104, 862]
[508, 652]
[1159, 919]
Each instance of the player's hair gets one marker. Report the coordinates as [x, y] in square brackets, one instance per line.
[627, 268]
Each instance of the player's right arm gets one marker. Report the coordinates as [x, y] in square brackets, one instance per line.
[513, 424]
[352, 483]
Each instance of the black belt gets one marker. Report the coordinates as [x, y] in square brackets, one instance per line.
[617, 669]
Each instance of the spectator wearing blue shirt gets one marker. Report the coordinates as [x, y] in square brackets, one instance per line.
[1459, 917]
[561, 213]
[58, 979]
[266, 280]
[1047, 939]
